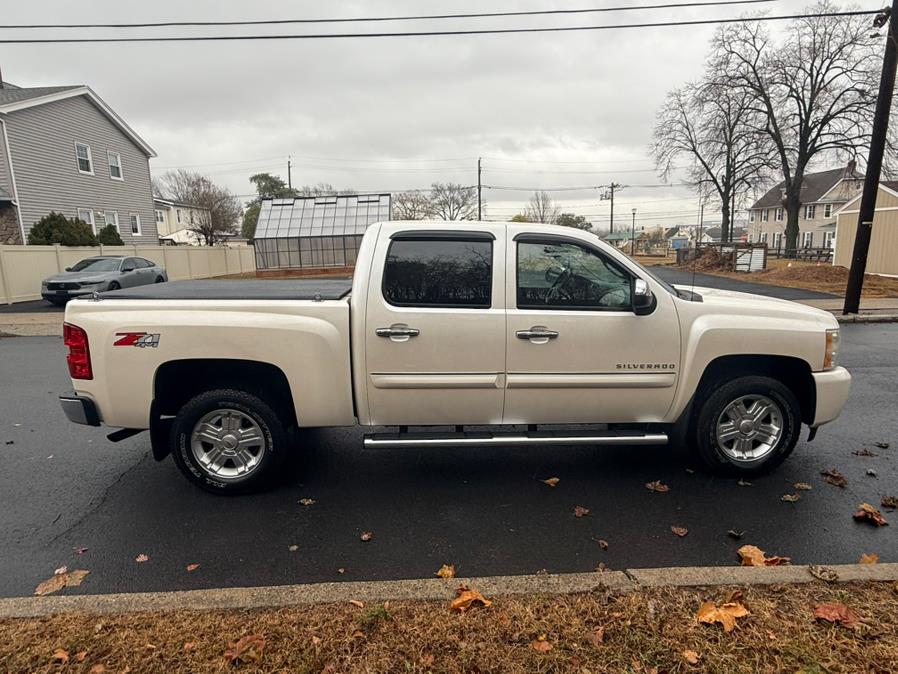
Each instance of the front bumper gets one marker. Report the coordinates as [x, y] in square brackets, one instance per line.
[79, 409]
[832, 388]
[67, 294]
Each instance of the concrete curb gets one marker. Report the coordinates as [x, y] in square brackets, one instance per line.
[432, 589]
[867, 318]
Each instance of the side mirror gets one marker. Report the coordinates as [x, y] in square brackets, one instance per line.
[643, 299]
[68, 269]
[125, 270]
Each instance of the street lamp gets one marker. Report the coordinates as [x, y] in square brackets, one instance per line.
[633, 235]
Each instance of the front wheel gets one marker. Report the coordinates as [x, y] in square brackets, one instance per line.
[228, 441]
[747, 426]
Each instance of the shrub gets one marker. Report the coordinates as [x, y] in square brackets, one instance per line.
[109, 236]
[56, 228]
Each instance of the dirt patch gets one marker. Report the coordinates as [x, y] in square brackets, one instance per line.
[644, 631]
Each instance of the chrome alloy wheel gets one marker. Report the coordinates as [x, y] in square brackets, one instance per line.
[228, 444]
[749, 428]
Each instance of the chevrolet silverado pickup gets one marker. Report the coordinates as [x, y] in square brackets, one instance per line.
[480, 334]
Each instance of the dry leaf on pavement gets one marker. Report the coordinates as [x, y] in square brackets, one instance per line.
[870, 472]
[823, 573]
[837, 613]
[751, 555]
[864, 452]
[802, 486]
[446, 571]
[141, 558]
[882, 445]
[307, 501]
[61, 570]
[657, 486]
[790, 498]
[602, 543]
[867, 513]
[743, 483]
[467, 599]
[246, 650]
[552, 481]
[679, 531]
[889, 502]
[726, 614]
[580, 511]
[834, 477]
[691, 657]
[732, 533]
[60, 580]
[540, 644]
[356, 602]
[293, 548]
[871, 558]
[193, 567]
[366, 536]
[341, 570]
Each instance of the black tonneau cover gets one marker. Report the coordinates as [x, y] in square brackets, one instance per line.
[290, 289]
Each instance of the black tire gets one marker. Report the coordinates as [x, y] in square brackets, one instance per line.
[269, 424]
[159, 279]
[114, 285]
[715, 456]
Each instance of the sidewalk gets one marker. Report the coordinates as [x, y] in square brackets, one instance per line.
[873, 309]
[31, 324]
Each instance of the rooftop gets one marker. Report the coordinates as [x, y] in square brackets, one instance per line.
[814, 187]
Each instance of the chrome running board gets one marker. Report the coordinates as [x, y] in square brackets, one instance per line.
[511, 439]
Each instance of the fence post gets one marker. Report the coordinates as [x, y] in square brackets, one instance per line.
[58, 260]
[7, 291]
[189, 267]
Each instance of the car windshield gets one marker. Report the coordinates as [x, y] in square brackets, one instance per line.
[97, 264]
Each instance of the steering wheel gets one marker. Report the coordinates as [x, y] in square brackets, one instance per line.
[556, 290]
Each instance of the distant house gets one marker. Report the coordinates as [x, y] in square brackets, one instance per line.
[64, 149]
[882, 256]
[822, 194]
[176, 222]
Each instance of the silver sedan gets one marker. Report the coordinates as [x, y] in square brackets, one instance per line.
[97, 274]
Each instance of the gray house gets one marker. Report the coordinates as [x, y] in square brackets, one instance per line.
[63, 149]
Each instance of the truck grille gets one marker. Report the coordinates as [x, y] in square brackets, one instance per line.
[63, 286]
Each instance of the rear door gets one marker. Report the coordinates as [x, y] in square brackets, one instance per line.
[435, 326]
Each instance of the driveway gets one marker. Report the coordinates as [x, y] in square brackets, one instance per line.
[687, 279]
[31, 307]
[66, 488]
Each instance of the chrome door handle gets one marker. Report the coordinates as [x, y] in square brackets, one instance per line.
[537, 333]
[397, 332]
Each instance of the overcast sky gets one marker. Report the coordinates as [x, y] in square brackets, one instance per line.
[543, 110]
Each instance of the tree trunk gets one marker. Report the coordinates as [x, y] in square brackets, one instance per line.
[793, 206]
[725, 226]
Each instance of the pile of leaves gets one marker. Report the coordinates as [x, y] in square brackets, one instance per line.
[711, 259]
[806, 628]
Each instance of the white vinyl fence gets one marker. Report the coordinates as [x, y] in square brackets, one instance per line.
[22, 268]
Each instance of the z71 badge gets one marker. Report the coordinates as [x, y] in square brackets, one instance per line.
[141, 339]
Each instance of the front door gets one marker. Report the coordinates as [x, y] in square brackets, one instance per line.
[435, 327]
[577, 351]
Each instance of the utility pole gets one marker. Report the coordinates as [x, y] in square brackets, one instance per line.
[633, 235]
[609, 194]
[874, 162]
[479, 189]
[289, 174]
[701, 222]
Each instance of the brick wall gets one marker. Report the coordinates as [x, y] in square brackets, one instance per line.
[9, 225]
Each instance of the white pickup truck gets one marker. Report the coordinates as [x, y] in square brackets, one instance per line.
[476, 334]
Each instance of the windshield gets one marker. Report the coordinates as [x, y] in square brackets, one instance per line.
[98, 264]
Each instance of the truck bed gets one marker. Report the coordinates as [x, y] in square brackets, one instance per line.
[290, 289]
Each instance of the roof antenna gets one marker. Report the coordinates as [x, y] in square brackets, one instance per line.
[698, 240]
[1, 77]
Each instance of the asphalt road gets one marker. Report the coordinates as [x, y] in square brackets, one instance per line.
[683, 277]
[64, 487]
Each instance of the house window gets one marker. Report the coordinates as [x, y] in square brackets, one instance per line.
[85, 160]
[112, 219]
[809, 211]
[807, 239]
[178, 214]
[160, 217]
[135, 223]
[779, 214]
[828, 239]
[777, 239]
[827, 210]
[751, 216]
[87, 215]
[763, 237]
[115, 165]
[765, 215]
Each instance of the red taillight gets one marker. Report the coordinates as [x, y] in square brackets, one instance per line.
[78, 357]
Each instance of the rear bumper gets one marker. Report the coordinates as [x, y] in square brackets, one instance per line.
[832, 389]
[79, 410]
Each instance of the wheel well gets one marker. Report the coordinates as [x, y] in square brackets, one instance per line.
[178, 381]
[792, 372]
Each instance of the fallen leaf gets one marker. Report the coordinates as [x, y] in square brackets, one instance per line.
[691, 471]
[79, 551]
[141, 558]
[541, 645]
[732, 533]
[245, 650]
[189, 645]
[752, 555]
[889, 502]
[427, 659]
[59, 581]
[80, 656]
[864, 452]
[743, 483]
[726, 614]
[679, 531]
[870, 472]
[657, 486]
[366, 536]
[580, 511]
[691, 657]
[341, 570]
[597, 636]
[61, 570]
[74, 578]
[602, 567]
[552, 481]
[602, 543]
[871, 558]
[307, 501]
[466, 599]
[446, 571]
[98, 669]
[790, 498]
[867, 513]
[193, 567]
[823, 573]
[882, 445]
[834, 477]
[837, 613]
[802, 486]
[356, 602]
[315, 640]
[358, 634]
[293, 548]
[61, 656]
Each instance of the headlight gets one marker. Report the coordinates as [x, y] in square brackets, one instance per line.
[831, 354]
[43, 284]
[87, 284]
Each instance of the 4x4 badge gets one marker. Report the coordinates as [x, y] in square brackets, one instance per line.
[141, 339]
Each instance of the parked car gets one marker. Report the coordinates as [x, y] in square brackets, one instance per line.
[525, 329]
[97, 274]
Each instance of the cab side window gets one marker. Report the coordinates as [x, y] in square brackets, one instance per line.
[430, 272]
[568, 276]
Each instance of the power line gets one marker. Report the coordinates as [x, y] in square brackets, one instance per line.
[369, 19]
[432, 33]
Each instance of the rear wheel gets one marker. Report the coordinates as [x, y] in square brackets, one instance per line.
[114, 285]
[228, 441]
[159, 279]
[747, 426]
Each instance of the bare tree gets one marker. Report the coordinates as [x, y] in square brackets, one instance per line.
[542, 208]
[218, 209]
[814, 93]
[714, 127]
[410, 206]
[321, 190]
[450, 201]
